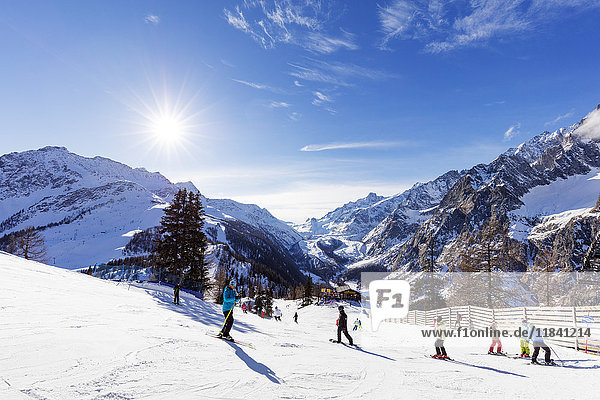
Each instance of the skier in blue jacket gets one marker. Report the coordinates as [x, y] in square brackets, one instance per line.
[229, 298]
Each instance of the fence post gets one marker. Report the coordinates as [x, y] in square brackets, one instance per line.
[415, 314]
[469, 316]
[493, 315]
[525, 313]
[450, 317]
[575, 326]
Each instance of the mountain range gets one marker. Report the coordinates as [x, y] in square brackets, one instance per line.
[91, 210]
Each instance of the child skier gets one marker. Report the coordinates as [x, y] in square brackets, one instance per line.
[245, 308]
[176, 294]
[524, 341]
[342, 324]
[440, 350]
[277, 314]
[229, 298]
[495, 339]
[296, 317]
[357, 324]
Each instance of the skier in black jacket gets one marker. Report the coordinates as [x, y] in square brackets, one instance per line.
[343, 326]
[176, 294]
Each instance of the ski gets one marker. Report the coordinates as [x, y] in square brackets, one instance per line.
[437, 358]
[550, 364]
[345, 344]
[241, 343]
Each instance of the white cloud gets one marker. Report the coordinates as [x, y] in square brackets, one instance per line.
[294, 116]
[447, 25]
[298, 84]
[321, 98]
[590, 128]
[279, 104]
[253, 85]
[512, 131]
[559, 118]
[301, 23]
[335, 73]
[152, 19]
[495, 103]
[352, 145]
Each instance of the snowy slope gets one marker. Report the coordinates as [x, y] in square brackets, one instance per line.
[58, 342]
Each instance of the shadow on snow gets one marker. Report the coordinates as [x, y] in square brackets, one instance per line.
[254, 365]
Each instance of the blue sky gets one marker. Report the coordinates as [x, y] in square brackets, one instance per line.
[296, 106]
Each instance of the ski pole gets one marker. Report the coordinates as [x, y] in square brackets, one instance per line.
[562, 362]
[228, 314]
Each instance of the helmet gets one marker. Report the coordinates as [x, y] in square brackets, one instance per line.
[232, 283]
[340, 308]
[439, 318]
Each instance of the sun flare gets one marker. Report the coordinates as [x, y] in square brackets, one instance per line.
[168, 129]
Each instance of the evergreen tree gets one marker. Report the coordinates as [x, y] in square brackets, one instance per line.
[308, 289]
[182, 243]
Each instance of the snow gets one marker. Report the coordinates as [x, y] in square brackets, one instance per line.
[131, 233]
[66, 335]
[555, 204]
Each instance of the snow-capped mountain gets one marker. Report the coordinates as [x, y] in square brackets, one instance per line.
[372, 224]
[543, 187]
[90, 208]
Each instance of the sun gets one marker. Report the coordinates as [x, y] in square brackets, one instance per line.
[166, 124]
[168, 129]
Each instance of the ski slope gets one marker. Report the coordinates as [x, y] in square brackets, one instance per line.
[65, 335]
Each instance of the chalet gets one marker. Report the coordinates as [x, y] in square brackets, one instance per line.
[343, 292]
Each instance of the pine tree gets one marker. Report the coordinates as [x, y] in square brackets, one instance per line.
[308, 289]
[28, 244]
[182, 243]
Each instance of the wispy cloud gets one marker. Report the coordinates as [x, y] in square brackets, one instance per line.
[273, 22]
[254, 85]
[152, 19]
[298, 84]
[512, 131]
[335, 73]
[559, 118]
[495, 103]
[324, 101]
[279, 104]
[352, 145]
[294, 116]
[321, 99]
[447, 25]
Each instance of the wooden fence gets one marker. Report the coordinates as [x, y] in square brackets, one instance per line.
[510, 318]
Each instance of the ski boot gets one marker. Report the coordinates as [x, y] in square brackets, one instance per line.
[535, 362]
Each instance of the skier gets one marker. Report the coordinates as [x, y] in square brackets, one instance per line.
[537, 338]
[229, 298]
[342, 324]
[440, 350]
[495, 339]
[357, 324]
[245, 308]
[524, 342]
[176, 294]
[296, 317]
[277, 314]
[458, 320]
